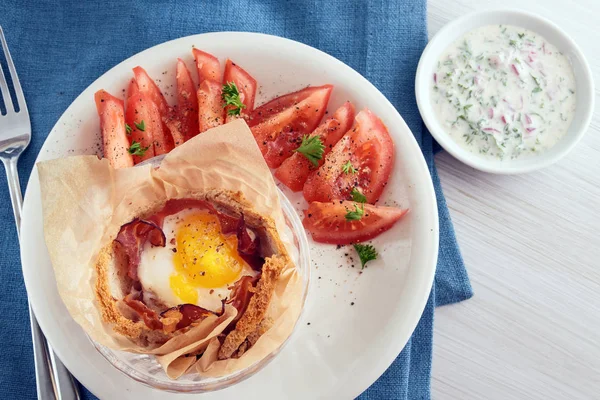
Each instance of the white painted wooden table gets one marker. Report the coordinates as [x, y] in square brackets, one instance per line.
[531, 244]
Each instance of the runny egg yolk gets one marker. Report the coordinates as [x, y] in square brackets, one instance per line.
[204, 257]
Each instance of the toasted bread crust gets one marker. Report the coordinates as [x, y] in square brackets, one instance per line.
[108, 304]
[115, 312]
[257, 308]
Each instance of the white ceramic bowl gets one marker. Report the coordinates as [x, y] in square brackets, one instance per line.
[459, 27]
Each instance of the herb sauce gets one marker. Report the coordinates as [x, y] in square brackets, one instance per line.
[504, 92]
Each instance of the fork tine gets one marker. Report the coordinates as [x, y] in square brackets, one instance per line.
[15, 79]
[4, 91]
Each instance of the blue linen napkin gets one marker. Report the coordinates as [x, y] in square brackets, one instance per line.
[60, 47]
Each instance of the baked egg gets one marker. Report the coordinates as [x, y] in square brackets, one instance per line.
[198, 265]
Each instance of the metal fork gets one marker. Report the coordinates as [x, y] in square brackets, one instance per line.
[53, 380]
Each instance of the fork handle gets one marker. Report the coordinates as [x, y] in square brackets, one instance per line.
[43, 377]
[53, 380]
[14, 188]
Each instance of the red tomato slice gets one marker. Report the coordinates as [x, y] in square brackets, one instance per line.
[174, 125]
[327, 222]
[245, 83]
[210, 105]
[187, 104]
[148, 87]
[295, 170]
[112, 125]
[133, 88]
[150, 90]
[370, 150]
[141, 108]
[208, 66]
[281, 133]
[277, 105]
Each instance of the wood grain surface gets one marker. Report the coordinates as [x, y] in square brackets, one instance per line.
[531, 244]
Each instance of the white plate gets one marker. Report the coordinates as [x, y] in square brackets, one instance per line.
[338, 349]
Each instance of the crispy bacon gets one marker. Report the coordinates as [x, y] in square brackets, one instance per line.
[186, 313]
[248, 247]
[133, 236]
[241, 294]
[173, 206]
[149, 316]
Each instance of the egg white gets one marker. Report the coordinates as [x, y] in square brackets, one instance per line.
[156, 268]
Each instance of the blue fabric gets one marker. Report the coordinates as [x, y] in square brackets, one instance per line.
[60, 47]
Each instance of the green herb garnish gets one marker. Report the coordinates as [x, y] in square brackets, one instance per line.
[355, 215]
[366, 253]
[128, 129]
[358, 196]
[141, 126]
[312, 148]
[231, 97]
[347, 168]
[136, 149]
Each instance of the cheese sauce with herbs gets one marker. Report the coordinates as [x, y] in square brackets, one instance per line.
[504, 92]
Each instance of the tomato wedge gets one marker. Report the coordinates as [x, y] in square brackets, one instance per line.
[282, 122]
[210, 105]
[369, 150]
[208, 66]
[294, 171]
[143, 117]
[187, 104]
[112, 125]
[245, 83]
[148, 88]
[132, 89]
[277, 105]
[327, 222]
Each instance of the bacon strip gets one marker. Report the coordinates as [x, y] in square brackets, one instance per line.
[187, 313]
[173, 206]
[133, 236]
[149, 316]
[248, 247]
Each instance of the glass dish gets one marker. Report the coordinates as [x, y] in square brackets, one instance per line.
[145, 369]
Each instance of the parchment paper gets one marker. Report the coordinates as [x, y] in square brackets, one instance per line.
[85, 202]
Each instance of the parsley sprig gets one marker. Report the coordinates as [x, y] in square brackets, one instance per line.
[231, 97]
[366, 253]
[312, 148]
[348, 168]
[128, 129]
[141, 126]
[357, 214]
[358, 196]
[136, 149]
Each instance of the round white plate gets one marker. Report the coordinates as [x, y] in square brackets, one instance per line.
[338, 349]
